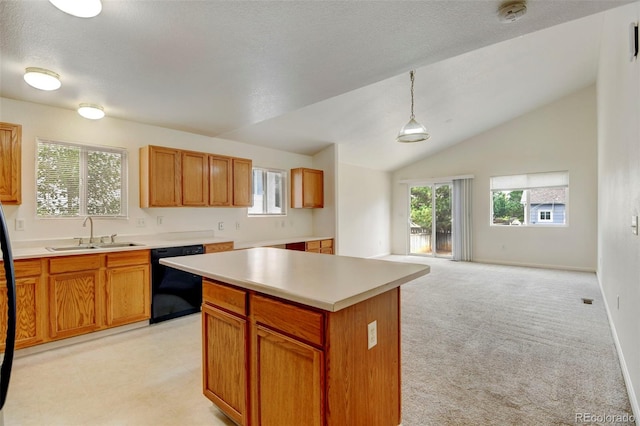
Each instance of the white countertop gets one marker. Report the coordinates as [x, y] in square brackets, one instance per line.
[35, 249]
[323, 281]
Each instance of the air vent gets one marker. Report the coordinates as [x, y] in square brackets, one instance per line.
[587, 301]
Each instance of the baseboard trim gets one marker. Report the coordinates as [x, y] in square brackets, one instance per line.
[535, 265]
[633, 400]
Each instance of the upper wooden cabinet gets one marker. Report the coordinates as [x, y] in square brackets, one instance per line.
[242, 172]
[160, 177]
[307, 188]
[10, 163]
[195, 178]
[172, 177]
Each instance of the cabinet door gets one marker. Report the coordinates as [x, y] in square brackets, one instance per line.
[195, 178]
[287, 380]
[313, 188]
[10, 163]
[242, 173]
[127, 295]
[225, 361]
[28, 329]
[218, 247]
[220, 181]
[160, 177]
[73, 303]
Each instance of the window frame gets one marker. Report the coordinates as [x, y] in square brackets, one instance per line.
[85, 150]
[284, 178]
[526, 182]
[541, 219]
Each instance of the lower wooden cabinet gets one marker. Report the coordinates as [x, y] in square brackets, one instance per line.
[218, 247]
[30, 297]
[74, 295]
[127, 287]
[224, 354]
[269, 362]
[315, 246]
[287, 380]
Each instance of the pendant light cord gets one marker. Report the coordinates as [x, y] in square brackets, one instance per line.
[411, 76]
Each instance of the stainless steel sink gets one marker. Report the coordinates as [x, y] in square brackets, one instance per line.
[92, 246]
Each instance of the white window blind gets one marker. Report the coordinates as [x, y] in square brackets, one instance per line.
[529, 181]
[78, 180]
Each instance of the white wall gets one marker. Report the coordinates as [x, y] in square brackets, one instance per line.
[61, 124]
[619, 187]
[365, 211]
[558, 136]
[324, 219]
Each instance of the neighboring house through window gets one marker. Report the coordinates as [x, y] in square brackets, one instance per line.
[530, 199]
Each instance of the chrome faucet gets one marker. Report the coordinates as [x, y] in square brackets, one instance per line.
[85, 225]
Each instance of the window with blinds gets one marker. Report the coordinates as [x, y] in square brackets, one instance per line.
[80, 180]
[268, 192]
[530, 199]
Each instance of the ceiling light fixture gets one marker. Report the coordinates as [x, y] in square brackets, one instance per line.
[91, 111]
[412, 131]
[41, 78]
[79, 8]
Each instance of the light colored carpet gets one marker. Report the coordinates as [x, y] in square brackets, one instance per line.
[495, 345]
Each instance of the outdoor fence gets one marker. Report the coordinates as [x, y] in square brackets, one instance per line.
[421, 243]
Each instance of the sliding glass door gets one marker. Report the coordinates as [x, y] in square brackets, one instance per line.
[430, 220]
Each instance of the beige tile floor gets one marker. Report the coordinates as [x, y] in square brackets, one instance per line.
[147, 376]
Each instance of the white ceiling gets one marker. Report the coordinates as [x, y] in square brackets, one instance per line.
[301, 75]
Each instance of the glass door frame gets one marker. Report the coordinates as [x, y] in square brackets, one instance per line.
[434, 186]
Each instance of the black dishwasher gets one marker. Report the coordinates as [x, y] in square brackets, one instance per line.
[174, 293]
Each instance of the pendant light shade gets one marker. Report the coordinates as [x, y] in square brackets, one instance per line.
[79, 8]
[42, 79]
[412, 131]
[91, 111]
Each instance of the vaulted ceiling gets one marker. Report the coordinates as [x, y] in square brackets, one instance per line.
[301, 75]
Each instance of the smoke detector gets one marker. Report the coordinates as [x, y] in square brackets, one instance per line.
[512, 11]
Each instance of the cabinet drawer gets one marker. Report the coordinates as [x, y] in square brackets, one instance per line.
[126, 258]
[60, 265]
[326, 243]
[296, 321]
[218, 247]
[229, 298]
[24, 268]
[313, 245]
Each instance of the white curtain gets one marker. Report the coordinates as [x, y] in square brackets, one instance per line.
[462, 243]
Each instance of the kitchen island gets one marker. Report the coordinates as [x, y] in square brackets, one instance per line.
[296, 338]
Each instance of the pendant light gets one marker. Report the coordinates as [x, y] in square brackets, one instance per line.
[79, 8]
[91, 111]
[412, 131]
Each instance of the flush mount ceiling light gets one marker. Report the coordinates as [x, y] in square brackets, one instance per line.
[41, 78]
[79, 8]
[91, 111]
[412, 131]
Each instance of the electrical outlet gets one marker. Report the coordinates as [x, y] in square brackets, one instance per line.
[140, 223]
[19, 224]
[159, 220]
[372, 334]
[220, 226]
[237, 225]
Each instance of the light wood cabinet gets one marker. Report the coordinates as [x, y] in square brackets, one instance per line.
[225, 349]
[305, 366]
[10, 163]
[30, 297]
[242, 177]
[74, 295]
[127, 287]
[317, 246]
[218, 247]
[195, 178]
[307, 188]
[160, 177]
[220, 181]
[172, 178]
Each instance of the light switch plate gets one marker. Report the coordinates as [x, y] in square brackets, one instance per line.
[634, 225]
